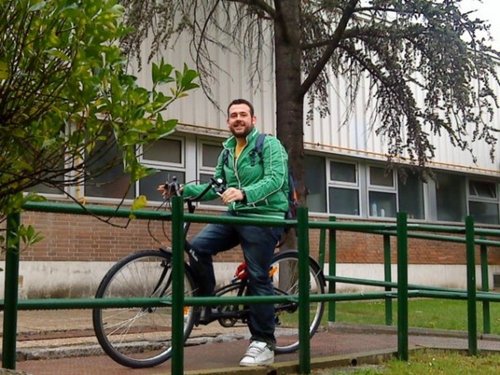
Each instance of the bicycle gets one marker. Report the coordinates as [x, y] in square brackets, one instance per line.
[141, 337]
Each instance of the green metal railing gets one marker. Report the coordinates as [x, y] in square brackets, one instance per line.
[401, 229]
[403, 232]
[177, 216]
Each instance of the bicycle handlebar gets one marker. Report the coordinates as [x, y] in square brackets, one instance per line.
[174, 188]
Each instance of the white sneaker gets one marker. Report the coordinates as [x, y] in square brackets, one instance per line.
[258, 354]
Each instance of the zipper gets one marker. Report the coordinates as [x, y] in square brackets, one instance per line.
[235, 165]
[235, 169]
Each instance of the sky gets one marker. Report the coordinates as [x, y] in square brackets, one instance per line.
[488, 10]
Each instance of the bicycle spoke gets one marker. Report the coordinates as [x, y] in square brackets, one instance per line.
[286, 282]
[139, 337]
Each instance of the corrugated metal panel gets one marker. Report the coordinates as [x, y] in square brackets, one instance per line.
[349, 127]
[230, 82]
[355, 137]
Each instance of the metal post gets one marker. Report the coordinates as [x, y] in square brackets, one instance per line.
[11, 292]
[177, 286]
[303, 247]
[402, 231]
[332, 271]
[322, 246]
[387, 278]
[471, 285]
[485, 287]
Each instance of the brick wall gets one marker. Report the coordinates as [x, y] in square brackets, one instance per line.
[85, 238]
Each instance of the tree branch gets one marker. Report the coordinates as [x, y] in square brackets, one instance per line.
[337, 37]
[261, 4]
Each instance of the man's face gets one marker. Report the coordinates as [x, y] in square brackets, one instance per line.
[240, 121]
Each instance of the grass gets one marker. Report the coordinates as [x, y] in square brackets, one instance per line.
[431, 362]
[424, 313]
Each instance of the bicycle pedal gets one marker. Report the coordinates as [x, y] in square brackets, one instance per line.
[207, 315]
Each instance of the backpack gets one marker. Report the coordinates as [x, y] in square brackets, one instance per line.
[293, 197]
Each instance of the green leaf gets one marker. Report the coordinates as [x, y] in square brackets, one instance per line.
[54, 52]
[161, 73]
[4, 70]
[189, 75]
[140, 202]
[37, 5]
[167, 127]
[28, 235]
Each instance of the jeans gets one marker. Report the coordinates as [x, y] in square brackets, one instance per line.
[258, 244]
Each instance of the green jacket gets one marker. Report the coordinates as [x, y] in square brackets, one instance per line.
[265, 181]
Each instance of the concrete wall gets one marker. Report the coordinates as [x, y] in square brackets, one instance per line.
[80, 279]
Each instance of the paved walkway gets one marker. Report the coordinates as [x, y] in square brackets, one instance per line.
[62, 342]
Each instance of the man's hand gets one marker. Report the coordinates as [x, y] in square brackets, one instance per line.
[232, 195]
[168, 190]
[164, 192]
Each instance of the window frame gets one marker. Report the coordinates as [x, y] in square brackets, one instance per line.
[202, 169]
[482, 199]
[435, 196]
[479, 198]
[331, 183]
[163, 165]
[380, 189]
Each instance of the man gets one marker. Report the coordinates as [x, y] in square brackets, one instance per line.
[256, 186]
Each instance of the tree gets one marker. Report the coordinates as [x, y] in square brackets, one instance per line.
[64, 90]
[401, 45]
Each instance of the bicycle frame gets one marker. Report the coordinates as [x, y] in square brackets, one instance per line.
[147, 273]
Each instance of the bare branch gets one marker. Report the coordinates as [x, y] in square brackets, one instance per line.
[337, 37]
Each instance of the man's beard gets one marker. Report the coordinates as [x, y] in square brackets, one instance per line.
[244, 134]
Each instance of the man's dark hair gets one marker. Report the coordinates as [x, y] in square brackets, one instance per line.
[241, 101]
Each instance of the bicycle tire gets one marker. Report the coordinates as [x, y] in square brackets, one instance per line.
[139, 337]
[284, 269]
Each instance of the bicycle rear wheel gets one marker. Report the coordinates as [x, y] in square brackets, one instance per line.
[284, 273]
[139, 337]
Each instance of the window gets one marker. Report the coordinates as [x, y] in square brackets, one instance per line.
[57, 165]
[104, 172]
[44, 189]
[379, 176]
[483, 189]
[343, 189]
[168, 150]
[343, 172]
[411, 195]
[382, 197]
[148, 185]
[483, 202]
[315, 181]
[209, 155]
[166, 156]
[450, 197]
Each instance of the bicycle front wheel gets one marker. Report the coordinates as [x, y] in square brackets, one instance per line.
[139, 337]
[284, 273]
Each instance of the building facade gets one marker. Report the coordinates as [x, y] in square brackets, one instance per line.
[346, 177]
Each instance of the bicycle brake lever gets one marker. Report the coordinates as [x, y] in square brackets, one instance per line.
[173, 188]
[218, 185]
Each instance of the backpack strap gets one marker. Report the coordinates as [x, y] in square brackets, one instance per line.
[225, 156]
[257, 150]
